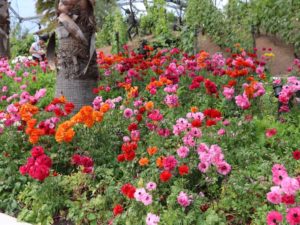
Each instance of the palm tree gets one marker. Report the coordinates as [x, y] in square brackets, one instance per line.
[77, 70]
[4, 29]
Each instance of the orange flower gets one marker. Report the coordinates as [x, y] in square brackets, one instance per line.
[98, 116]
[69, 135]
[104, 108]
[144, 161]
[149, 105]
[194, 109]
[152, 150]
[159, 162]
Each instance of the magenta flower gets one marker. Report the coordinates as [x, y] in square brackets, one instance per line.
[274, 218]
[128, 113]
[293, 216]
[271, 132]
[169, 163]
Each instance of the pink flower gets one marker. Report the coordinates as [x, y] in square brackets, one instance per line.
[290, 185]
[221, 132]
[228, 93]
[152, 219]
[271, 132]
[169, 163]
[183, 151]
[242, 101]
[128, 113]
[195, 132]
[183, 199]
[226, 122]
[274, 196]
[203, 167]
[151, 186]
[274, 218]
[278, 176]
[293, 216]
[139, 194]
[223, 168]
[146, 199]
[171, 101]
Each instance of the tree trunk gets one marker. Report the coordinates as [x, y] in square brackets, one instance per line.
[77, 70]
[4, 29]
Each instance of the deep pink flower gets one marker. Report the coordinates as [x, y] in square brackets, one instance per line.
[271, 132]
[169, 163]
[293, 216]
[274, 217]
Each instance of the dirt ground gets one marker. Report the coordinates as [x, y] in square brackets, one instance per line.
[284, 54]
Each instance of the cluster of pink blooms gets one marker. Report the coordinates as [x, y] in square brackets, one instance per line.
[191, 132]
[242, 101]
[152, 219]
[38, 165]
[212, 155]
[284, 192]
[171, 101]
[228, 92]
[288, 90]
[98, 102]
[183, 199]
[141, 195]
[86, 162]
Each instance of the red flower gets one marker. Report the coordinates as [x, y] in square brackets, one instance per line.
[212, 113]
[196, 123]
[210, 123]
[118, 209]
[165, 176]
[139, 117]
[288, 199]
[121, 158]
[95, 91]
[132, 126]
[183, 170]
[69, 106]
[37, 151]
[296, 154]
[128, 190]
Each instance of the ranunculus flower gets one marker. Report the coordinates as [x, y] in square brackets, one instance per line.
[271, 132]
[118, 209]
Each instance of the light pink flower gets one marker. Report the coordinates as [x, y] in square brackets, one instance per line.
[183, 151]
[183, 199]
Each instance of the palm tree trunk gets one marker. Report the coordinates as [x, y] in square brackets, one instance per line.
[77, 73]
[4, 29]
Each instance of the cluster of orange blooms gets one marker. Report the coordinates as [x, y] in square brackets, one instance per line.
[152, 150]
[27, 111]
[202, 58]
[158, 83]
[87, 116]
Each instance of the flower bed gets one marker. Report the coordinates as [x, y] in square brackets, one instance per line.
[171, 139]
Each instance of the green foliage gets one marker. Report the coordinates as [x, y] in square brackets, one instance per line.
[113, 32]
[19, 46]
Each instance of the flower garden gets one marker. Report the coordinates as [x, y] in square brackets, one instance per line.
[171, 138]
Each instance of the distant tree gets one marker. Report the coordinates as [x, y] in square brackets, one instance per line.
[4, 29]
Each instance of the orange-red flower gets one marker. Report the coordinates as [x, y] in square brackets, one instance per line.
[144, 161]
